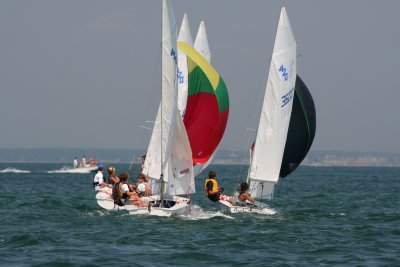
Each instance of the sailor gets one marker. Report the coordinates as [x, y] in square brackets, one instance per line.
[143, 187]
[242, 198]
[112, 179]
[122, 193]
[98, 179]
[213, 191]
[143, 159]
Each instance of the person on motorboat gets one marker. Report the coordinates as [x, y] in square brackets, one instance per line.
[83, 161]
[213, 191]
[92, 161]
[76, 162]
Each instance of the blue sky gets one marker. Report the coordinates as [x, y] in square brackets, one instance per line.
[87, 73]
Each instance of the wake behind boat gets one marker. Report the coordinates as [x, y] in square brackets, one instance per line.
[87, 169]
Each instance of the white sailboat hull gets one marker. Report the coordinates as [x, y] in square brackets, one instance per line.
[106, 202]
[181, 207]
[227, 207]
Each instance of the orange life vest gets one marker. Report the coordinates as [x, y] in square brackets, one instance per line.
[214, 187]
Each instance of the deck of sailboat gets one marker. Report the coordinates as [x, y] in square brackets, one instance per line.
[176, 206]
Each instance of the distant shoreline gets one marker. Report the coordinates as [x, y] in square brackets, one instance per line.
[216, 163]
[64, 156]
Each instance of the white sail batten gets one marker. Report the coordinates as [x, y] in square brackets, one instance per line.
[164, 127]
[184, 36]
[201, 42]
[275, 115]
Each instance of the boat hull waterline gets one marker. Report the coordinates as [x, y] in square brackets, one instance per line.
[227, 207]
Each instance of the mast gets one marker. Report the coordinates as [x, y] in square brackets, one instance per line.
[161, 133]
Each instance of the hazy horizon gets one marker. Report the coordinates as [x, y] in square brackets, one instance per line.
[86, 73]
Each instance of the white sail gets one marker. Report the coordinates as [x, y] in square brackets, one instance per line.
[201, 42]
[184, 36]
[179, 170]
[275, 114]
[164, 127]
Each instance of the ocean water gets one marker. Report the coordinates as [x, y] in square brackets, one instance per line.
[341, 216]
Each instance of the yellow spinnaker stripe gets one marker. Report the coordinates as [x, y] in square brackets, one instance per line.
[209, 70]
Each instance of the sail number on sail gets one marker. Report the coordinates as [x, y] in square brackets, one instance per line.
[284, 73]
[179, 72]
[287, 97]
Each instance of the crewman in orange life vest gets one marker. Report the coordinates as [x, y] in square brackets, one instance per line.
[213, 191]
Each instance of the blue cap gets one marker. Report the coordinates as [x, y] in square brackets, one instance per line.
[100, 166]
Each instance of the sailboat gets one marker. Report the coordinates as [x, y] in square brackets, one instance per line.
[168, 161]
[268, 149]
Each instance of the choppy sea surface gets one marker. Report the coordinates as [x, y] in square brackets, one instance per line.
[329, 216]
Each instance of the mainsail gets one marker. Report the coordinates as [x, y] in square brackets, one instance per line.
[178, 173]
[201, 42]
[169, 153]
[275, 115]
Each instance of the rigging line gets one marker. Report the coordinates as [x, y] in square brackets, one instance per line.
[133, 160]
[147, 128]
[151, 95]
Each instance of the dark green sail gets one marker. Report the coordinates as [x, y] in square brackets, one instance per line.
[301, 129]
